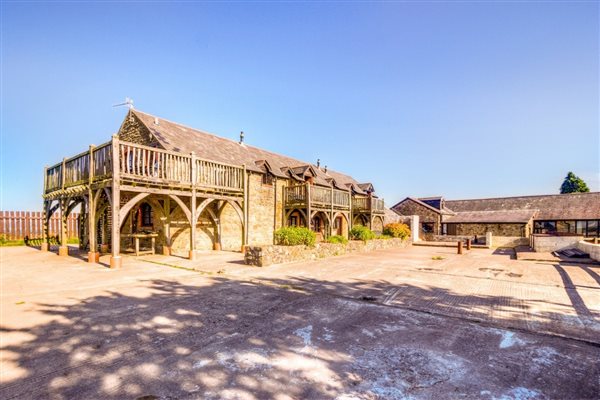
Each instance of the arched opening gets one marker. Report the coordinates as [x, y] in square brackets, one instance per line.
[360, 219]
[296, 217]
[377, 225]
[320, 224]
[231, 227]
[340, 225]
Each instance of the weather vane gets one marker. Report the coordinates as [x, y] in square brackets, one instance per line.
[128, 103]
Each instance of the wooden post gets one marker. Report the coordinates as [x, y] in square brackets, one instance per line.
[460, 247]
[330, 233]
[63, 249]
[93, 254]
[45, 241]
[193, 216]
[245, 228]
[308, 206]
[115, 259]
[62, 174]
[350, 215]
[468, 244]
[167, 246]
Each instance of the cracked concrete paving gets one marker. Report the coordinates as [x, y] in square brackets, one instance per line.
[74, 330]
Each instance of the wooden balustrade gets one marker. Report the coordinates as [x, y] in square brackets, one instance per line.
[102, 157]
[294, 195]
[341, 198]
[360, 203]
[155, 165]
[319, 196]
[77, 169]
[146, 164]
[53, 178]
[219, 176]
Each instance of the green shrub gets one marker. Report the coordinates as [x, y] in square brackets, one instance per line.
[360, 232]
[397, 230]
[384, 237]
[337, 239]
[293, 236]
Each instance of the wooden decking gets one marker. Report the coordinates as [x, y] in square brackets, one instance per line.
[323, 198]
[145, 166]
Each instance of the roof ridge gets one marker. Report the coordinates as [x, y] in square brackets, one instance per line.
[526, 196]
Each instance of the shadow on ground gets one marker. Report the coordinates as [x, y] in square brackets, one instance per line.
[235, 339]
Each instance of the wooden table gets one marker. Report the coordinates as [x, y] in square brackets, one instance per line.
[137, 236]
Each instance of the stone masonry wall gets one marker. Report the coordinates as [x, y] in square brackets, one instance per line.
[263, 256]
[134, 131]
[518, 230]
[409, 207]
[261, 214]
[592, 249]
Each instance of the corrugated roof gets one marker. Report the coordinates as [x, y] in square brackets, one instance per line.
[491, 217]
[176, 137]
[549, 207]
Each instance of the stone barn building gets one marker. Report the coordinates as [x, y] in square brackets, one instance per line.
[506, 217]
[166, 186]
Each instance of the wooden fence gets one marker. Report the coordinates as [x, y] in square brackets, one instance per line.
[15, 225]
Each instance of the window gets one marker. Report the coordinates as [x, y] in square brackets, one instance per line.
[592, 228]
[427, 227]
[267, 179]
[565, 226]
[293, 221]
[581, 227]
[146, 214]
[544, 227]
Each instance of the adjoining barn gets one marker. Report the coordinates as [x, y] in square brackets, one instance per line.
[576, 214]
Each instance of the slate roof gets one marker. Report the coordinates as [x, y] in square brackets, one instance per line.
[443, 211]
[491, 217]
[549, 207]
[176, 137]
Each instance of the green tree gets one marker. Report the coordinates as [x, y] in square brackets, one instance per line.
[573, 184]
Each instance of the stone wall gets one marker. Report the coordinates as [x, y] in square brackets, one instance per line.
[549, 243]
[425, 214]
[263, 256]
[509, 241]
[456, 238]
[510, 230]
[134, 131]
[261, 214]
[592, 249]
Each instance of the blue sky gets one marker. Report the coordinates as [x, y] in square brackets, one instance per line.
[461, 99]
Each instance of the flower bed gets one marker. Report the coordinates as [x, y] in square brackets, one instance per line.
[262, 256]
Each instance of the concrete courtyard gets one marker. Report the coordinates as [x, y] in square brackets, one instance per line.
[414, 323]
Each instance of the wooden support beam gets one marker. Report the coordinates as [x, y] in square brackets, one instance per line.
[115, 260]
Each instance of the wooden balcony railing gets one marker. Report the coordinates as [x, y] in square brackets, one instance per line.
[319, 196]
[367, 204]
[140, 163]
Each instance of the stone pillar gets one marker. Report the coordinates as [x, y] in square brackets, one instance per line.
[167, 225]
[488, 239]
[414, 228]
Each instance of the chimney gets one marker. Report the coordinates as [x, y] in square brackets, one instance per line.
[318, 163]
[242, 137]
[325, 169]
[155, 121]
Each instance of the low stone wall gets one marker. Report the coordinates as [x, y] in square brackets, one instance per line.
[263, 256]
[592, 249]
[509, 241]
[550, 243]
[456, 238]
